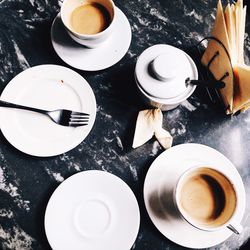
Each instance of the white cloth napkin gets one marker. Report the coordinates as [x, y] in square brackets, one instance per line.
[149, 124]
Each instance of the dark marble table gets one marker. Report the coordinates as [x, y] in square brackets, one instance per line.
[26, 182]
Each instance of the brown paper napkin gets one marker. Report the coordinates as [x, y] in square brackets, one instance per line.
[229, 28]
[149, 124]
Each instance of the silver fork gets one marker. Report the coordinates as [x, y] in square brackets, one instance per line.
[62, 117]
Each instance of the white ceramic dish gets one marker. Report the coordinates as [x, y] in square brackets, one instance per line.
[92, 210]
[158, 194]
[47, 87]
[83, 58]
[162, 104]
[160, 74]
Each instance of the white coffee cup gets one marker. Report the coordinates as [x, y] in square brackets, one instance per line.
[208, 199]
[88, 40]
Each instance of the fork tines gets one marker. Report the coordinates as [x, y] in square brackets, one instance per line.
[78, 119]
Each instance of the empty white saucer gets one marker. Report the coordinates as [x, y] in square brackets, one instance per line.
[158, 193]
[48, 87]
[92, 210]
[83, 58]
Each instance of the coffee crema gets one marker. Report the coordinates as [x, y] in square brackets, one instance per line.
[207, 198]
[90, 18]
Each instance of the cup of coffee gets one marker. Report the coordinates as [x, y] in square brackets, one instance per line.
[88, 22]
[207, 199]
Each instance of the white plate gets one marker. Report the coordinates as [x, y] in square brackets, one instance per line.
[92, 210]
[83, 58]
[47, 87]
[158, 190]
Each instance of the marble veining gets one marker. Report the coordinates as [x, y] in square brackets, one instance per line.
[11, 188]
[26, 182]
[15, 238]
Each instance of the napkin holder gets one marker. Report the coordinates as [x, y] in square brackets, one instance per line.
[205, 73]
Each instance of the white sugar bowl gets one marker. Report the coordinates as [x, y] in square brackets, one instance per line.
[161, 75]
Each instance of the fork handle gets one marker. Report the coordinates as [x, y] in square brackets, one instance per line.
[17, 106]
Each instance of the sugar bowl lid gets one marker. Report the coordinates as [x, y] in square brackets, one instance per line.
[162, 70]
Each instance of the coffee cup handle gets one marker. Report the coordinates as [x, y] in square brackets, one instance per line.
[235, 227]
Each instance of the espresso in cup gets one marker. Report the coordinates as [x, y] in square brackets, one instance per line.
[206, 198]
[90, 18]
[89, 22]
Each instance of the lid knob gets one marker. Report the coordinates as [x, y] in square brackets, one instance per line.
[164, 68]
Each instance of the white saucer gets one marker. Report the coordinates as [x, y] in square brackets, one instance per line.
[92, 210]
[158, 193]
[83, 58]
[47, 87]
